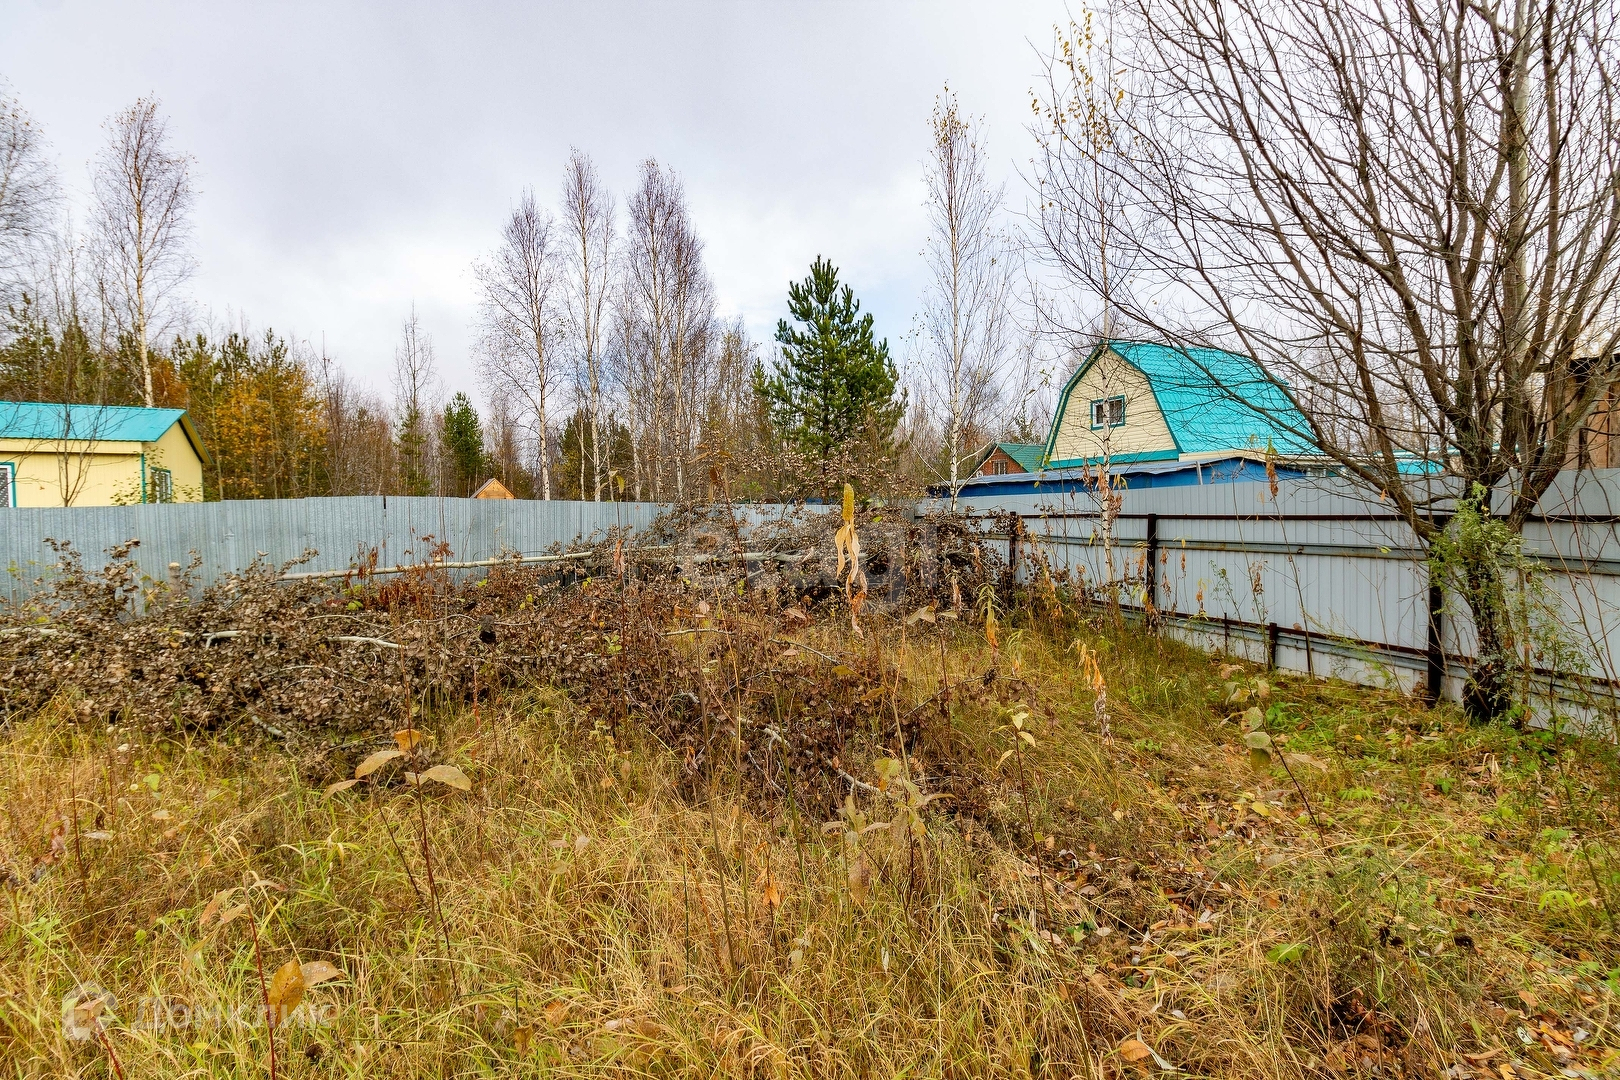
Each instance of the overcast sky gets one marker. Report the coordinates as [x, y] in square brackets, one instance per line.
[352, 159]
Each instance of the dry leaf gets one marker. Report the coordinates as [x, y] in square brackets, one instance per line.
[408, 739]
[860, 878]
[161, 815]
[375, 762]
[922, 614]
[1135, 1050]
[341, 785]
[450, 776]
[318, 971]
[521, 1037]
[556, 1013]
[212, 907]
[233, 914]
[770, 890]
[286, 989]
[97, 835]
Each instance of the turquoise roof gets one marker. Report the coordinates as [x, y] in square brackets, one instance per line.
[100, 423]
[1212, 400]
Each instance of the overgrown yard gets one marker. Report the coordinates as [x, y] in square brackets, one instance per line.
[683, 830]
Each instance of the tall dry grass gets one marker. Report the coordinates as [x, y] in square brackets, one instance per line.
[1145, 901]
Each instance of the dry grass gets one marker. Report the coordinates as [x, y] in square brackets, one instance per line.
[610, 914]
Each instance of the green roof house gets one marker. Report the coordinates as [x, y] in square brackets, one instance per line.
[1139, 402]
[1006, 458]
[97, 455]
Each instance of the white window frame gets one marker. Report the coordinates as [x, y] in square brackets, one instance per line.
[8, 484]
[162, 482]
[1103, 410]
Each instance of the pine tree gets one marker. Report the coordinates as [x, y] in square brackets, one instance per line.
[834, 380]
[412, 444]
[463, 444]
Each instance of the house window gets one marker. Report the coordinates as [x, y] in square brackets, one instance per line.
[1108, 412]
[998, 468]
[162, 486]
[8, 487]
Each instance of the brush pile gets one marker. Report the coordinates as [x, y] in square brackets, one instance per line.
[686, 631]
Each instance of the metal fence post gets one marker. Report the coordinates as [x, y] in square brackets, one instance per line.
[1150, 580]
[1435, 675]
[1434, 683]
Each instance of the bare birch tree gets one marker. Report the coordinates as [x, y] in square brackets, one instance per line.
[28, 190]
[588, 217]
[520, 317]
[668, 323]
[144, 198]
[966, 318]
[1407, 212]
[416, 392]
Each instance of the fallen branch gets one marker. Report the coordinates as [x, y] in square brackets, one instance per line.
[368, 641]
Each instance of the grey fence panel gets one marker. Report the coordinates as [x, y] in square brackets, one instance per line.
[1320, 577]
[229, 536]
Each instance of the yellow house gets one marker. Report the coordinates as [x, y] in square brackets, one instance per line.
[1135, 401]
[97, 455]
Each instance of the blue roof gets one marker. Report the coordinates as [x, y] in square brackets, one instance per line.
[1129, 474]
[100, 423]
[1212, 400]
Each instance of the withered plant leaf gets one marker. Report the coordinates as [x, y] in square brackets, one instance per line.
[770, 890]
[286, 988]
[341, 785]
[375, 762]
[233, 914]
[211, 909]
[860, 878]
[1134, 1050]
[450, 776]
[318, 971]
[408, 739]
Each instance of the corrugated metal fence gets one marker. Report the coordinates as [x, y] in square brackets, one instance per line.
[1326, 580]
[230, 535]
[1318, 578]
